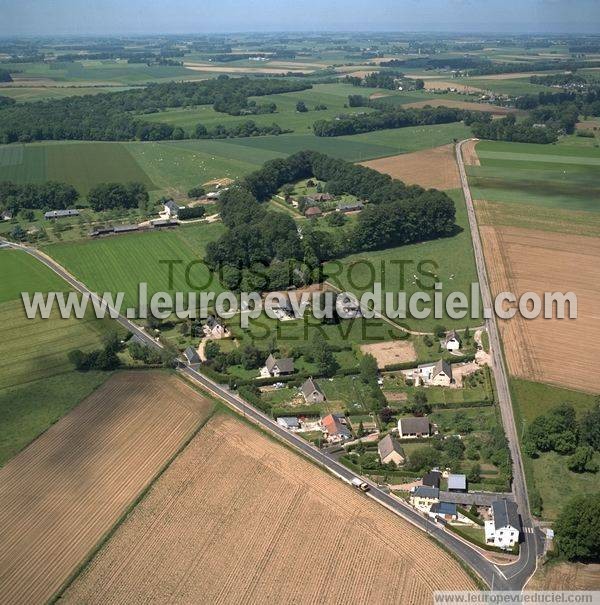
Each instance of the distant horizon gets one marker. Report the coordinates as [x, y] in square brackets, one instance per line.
[48, 18]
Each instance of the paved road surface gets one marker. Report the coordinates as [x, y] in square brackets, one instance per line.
[504, 577]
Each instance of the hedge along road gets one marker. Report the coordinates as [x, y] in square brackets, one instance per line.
[511, 577]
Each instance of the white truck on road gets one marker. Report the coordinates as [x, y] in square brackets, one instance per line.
[361, 485]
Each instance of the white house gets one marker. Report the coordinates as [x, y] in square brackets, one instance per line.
[290, 423]
[504, 529]
[452, 341]
[437, 374]
[171, 209]
[423, 497]
[213, 328]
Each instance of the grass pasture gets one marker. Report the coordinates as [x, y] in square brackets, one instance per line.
[119, 264]
[551, 176]
[80, 164]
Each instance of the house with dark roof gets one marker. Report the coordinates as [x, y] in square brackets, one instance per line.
[291, 423]
[413, 428]
[171, 209]
[277, 367]
[390, 451]
[192, 356]
[312, 392]
[335, 428]
[432, 479]
[313, 212]
[504, 529]
[444, 510]
[213, 328]
[320, 197]
[423, 497]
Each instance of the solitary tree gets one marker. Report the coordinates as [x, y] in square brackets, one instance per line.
[577, 528]
[301, 107]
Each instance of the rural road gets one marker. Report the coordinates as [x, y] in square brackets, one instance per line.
[501, 577]
[533, 540]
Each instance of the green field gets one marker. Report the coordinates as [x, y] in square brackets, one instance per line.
[451, 259]
[37, 382]
[509, 86]
[552, 176]
[83, 165]
[120, 263]
[549, 473]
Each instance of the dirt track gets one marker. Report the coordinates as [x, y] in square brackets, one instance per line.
[562, 352]
[63, 493]
[238, 518]
[429, 168]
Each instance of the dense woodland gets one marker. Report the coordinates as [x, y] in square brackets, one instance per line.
[48, 196]
[110, 117]
[264, 248]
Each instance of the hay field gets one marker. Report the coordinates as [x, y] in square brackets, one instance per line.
[238, 518]
[429, 168]
[566, 576]
[62, 494]
[560, 352]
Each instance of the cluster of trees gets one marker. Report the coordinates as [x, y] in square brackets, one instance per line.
[558, 80]
[391, 118]
[109, 117]
[6, 101]
[104, 359]
[561, 432]
[577, 531]
[196, 192]
[194, 212]
[248, 356]
[5, 76]
[245, 129]
[374, 80]
[508, 129]
[47, 196]
[149, 355]
[106, 196]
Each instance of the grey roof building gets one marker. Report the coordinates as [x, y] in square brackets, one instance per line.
[275, 367]
[192, 356]
[424, 491]
[457, 483]
[60, 213]
[443, 509]
[414, 427]
[390, 450]
[312, 392]
[432, 479]
[505, 514]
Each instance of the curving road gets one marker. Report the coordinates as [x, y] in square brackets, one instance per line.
[500, 577]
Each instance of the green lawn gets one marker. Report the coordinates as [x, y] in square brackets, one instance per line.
[120, 263]
[549, 473]
[551, 176]
[450, 259]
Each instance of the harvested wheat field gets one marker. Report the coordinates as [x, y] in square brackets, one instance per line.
[469, 153]
[429, 168]
[389, 352]
[239, 518]
[63, 493]
[562, 352]
[566, 576]
[495, 109]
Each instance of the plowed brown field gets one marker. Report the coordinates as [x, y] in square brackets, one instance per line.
[562, 352]
[238, 518]
[429, 168]
[63, 493]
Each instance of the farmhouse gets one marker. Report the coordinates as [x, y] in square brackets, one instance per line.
[423, 497]
[54, 214]
[192, 356]
[413, 428]
[278, 367]
[452, 341]
[504, 528]
[290, 423]
[171, 209]
[213, 328]
[444, 510]
[313, 212]
[312, 392]
[437, 374]
[390, 451]
[457, 483]
[320, 197]
[335, 429]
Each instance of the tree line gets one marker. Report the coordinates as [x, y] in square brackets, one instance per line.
[46, 196]
[391, 118]
[261, 246]
[109, 117]
[249, 128]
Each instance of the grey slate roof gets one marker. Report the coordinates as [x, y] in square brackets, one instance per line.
[424, 491]
[310, 386]
[289, 421]
[123, 228]
[388, 445]
[457, 482]
[505, 514]
[452, 334]
[172, 206]
[350, 207]
[285, 364]
[442, 366]
[432, 479]
[443, 508]
[192, 355]
[415, 425]
[61, 213]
